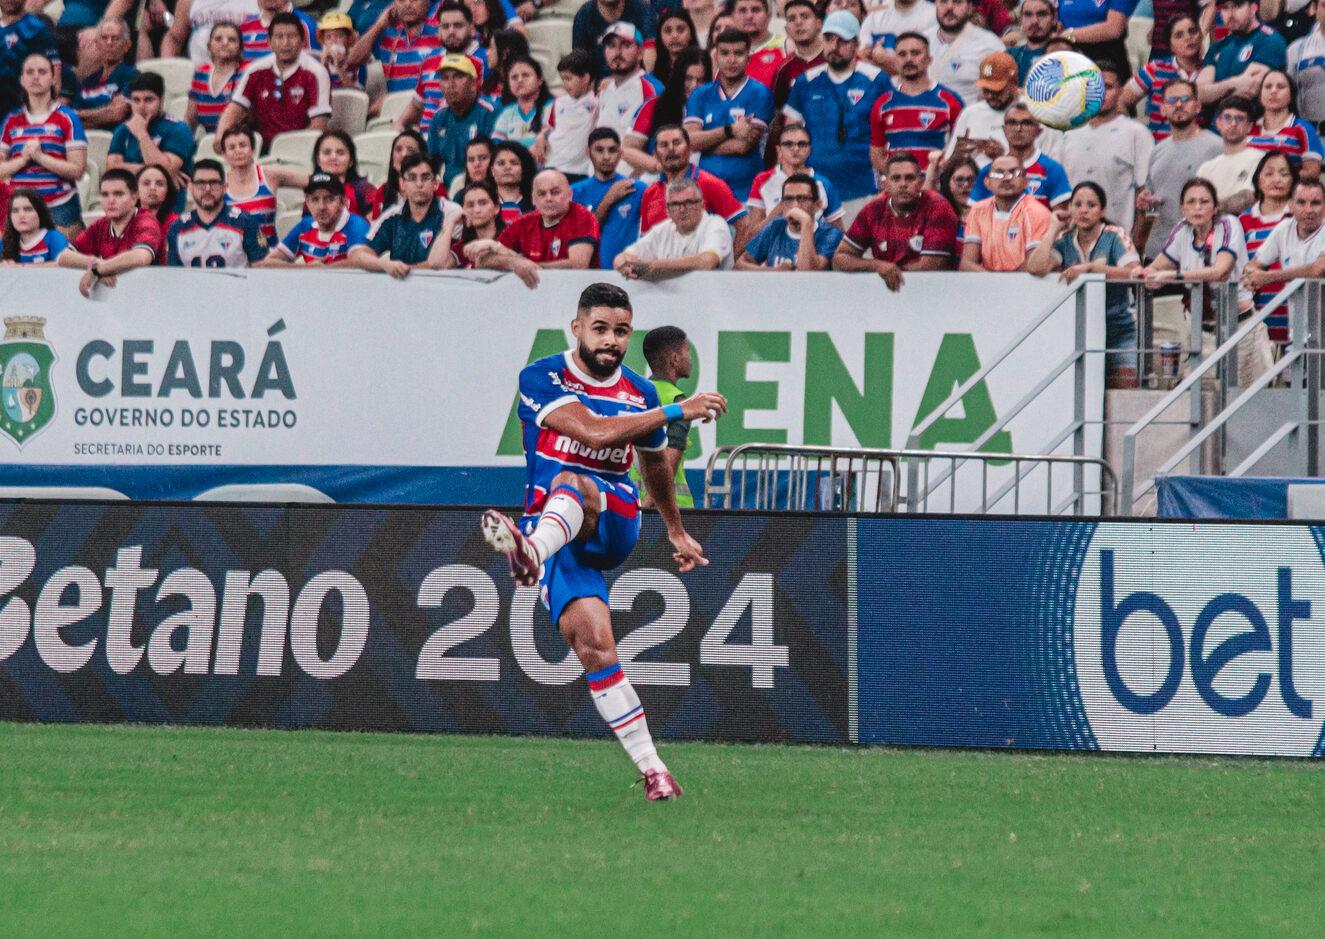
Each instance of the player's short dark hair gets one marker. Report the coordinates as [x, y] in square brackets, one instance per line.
[604, 133]
[601, 294]
[209, 164]
[808, 4]
[900, 157]
[918, 37]
[731, 35]
[577, 62]
[803, 179]
[456, 6]
[148, 81]
[123, 175]
[286, 19]
[660, 343]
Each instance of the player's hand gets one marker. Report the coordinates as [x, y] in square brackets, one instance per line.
[706, 406]
[689, 553]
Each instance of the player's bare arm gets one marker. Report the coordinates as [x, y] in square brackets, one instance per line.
[596, 431]
[660, 480]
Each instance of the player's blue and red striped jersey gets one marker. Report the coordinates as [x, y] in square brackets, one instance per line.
[306, 243]
[58, 133]
[555, 381]
[210, 105]
[914, 124]
[257, 44]
[1150, 80]
[1256, 228]
[1297, 140]
[403, 54]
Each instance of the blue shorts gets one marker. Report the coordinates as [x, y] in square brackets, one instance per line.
[577, 570]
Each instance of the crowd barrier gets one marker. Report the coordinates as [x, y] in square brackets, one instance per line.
[365, 389]
[1144, 636]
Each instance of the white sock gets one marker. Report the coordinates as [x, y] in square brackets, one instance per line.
[563, 514]
[619, 706]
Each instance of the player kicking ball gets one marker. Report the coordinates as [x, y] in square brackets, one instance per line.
[584, 414]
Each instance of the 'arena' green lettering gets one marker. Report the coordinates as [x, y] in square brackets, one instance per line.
[546, 342]
[868, 410]
[736, 350]
[957, 361]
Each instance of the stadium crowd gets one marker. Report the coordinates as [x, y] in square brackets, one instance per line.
[670, 137]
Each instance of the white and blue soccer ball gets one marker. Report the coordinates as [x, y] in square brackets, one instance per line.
[1064, 90]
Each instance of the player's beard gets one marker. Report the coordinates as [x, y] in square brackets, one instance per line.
[594, 361]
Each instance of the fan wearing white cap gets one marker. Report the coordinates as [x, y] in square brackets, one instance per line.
[628, 86]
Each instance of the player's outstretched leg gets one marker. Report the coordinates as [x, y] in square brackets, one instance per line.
[564, 515]
[587, 626]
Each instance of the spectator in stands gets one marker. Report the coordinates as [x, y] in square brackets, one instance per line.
[1231, 172]
[1281, 129]
[834, 102]
[571, 117]
[462, 116]
[124, 238]
[797, 238]
[728, 118]
[213, 234]
[1091, 245]
[557, 234]
[507, 46]
[512, 173]
[702, 15]
[416, 233]
[1098, 29]
[21, 34]
[102, 100]
[628, 86]
[1164, 12]
[529, 109]
[1002, 231]
[192, 22]
[1175, 160]
[613, 198]
[455, 25]
[1306, 64]
[598, 19]
[674, 160]
[251, 188]
[956, 183]
[215, 81]
[284, 91]
[916, 114]
[909, 228]
[978, 132]
[676, 33]
[43, 146]
[1150, 81]
[693, 69]
[407, 143]
[1039, 23]
[1275, 181]
[1295, 247]
[959, 47]
[1046, 179]
[492, 17]
[691, 239]
[258, 27]
[793, 156]
[334, 153]
[766, 51]
[336, 37]
[478, 160]
[327, 234]
[158, 194]
[1208, 247]
[480, 221]
[1112, 150]
[805, 48]
[403, 39]
[1236, 64]
[30, 236]
[884, 25]
[151, 136]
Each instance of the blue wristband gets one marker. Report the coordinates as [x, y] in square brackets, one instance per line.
[672, 412]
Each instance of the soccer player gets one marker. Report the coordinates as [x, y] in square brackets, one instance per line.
[584, 414]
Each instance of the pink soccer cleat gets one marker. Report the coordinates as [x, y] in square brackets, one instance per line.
[659, 785]
[505, 538]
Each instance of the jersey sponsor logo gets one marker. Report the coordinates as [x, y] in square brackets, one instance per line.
[567, 449]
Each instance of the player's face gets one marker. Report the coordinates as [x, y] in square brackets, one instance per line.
[682, 364]
[116, 200]
[622, 55]
[605, 155]
[732, 58]
[912, 59]
[1020, 128]
[325, 207]
[208, 190]
[603, 333]
[794, 149]
[952, 14]
[152, 190]
[1309, 207]
[551, 196]
[1037, 20]
[24, 217]
[802, 25]
[455, 31]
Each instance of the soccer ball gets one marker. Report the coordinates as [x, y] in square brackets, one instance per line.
[1064, 90]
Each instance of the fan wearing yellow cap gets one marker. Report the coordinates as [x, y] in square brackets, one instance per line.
[336, 35]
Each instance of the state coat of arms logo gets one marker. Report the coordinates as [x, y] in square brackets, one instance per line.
[27, 397]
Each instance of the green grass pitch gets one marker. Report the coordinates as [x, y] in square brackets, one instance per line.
[166, 831]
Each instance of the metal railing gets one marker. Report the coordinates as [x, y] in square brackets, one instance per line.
[782, 477]
[1205, 450]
